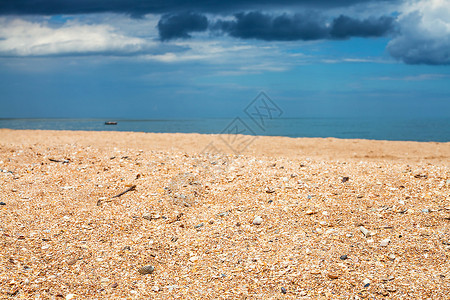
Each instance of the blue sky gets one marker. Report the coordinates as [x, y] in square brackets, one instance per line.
[192, 60]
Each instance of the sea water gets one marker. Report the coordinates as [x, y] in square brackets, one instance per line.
[401, 129]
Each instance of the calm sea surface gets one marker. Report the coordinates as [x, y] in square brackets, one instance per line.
[425, 129]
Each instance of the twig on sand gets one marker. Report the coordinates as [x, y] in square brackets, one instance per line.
[66, 161]
[131, 188]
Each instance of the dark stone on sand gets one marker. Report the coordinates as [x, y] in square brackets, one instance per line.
[146, 270]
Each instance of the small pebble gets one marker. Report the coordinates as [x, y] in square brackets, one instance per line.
[425, 210]
[385, 242]
[2, 203]
[151, 217]
[199, 225]
[283, 290]
[365, 231]
[333, 275]
[345, 179]
[71, 262]
[391, 257]
[155, 288]
[366, 282]
[257, 221]
[146, 270]
[70, 296]
[104, 281]
[343, 257]
[193, 258]
[114, 285]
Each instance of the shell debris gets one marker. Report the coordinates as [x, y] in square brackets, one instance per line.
[221, 225]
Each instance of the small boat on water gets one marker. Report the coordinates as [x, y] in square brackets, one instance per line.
[110, 123]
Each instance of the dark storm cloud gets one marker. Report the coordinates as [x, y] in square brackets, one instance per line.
[261, 26]
[180, 25]
[142, 7]
[256, 25]
[345, 27]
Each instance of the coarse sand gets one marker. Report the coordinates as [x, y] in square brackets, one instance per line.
[120, 215]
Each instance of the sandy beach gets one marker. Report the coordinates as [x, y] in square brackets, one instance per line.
[118, 215]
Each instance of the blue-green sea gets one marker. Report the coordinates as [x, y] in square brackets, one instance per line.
[402, 129]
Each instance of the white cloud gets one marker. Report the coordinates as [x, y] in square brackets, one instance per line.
[420, 77]
[95, 35]
[20, 37]
[355, 60]
[425, 33]
[86, 35]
